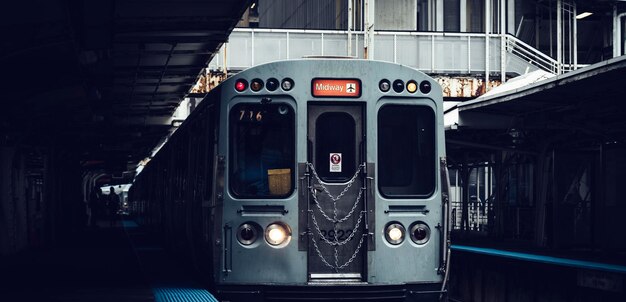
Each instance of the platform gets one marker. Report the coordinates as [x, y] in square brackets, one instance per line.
[118, 263]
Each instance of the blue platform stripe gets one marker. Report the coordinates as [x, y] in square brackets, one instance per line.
[542, 259]
[181, 294]
[129, 224]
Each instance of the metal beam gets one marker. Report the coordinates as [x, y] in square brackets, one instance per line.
[488, 147]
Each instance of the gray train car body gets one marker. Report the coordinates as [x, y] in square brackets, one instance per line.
[314, 178]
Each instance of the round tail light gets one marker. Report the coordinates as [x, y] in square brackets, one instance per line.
[411, 86]
[241, 85]
[256, 85]
[425, 87]
[247, 233]
[398, 86]
[271, 84]
[420, 233]
[384, 85]
[287, 84]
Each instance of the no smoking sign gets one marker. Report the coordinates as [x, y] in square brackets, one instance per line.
[335, 162]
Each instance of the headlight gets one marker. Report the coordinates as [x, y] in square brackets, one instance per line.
[248, 233]
[420, 232]
[277, 234]
[394, 233]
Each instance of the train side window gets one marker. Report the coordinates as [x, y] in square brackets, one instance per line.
[406, 151]
[262, 147]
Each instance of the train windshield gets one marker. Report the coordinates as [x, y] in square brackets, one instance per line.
[262, 146]
[406, 151]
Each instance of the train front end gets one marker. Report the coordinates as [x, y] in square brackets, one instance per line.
[329, 183]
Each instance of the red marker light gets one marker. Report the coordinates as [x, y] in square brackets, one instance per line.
[256, 85]
[241, 85]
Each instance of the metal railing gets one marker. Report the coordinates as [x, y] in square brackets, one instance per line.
[431, 52]
[532, 55]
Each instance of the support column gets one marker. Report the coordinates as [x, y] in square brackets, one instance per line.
[350, 20]
[559, 35]
[497, 215]
[502, 41]
[487, 27]
[439, 15]
[544, 163]
[575, 36]
[511, 16]
[616, 30]
[618, 37]
[465, 172]
[431, 15]
[368, 42]
[463, 15]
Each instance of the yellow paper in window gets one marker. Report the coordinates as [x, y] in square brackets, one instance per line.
[279, 181]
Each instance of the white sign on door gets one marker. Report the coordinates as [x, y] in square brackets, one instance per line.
[335, 162]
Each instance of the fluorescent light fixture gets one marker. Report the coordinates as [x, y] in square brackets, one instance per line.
[253, 5]
[583, 15]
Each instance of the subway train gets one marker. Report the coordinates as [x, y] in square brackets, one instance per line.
[308, 179]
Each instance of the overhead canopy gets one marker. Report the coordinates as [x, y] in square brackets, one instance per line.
[584, 106]
[105, 75]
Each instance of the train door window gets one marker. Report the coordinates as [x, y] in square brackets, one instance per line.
[335, 134]
[262, 147]
[406, 151]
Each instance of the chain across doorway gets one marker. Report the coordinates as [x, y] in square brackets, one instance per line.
[335, 243]
[335, 169]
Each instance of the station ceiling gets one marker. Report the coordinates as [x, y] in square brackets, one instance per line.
[103, 77]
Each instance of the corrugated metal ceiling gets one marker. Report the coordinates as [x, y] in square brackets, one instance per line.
[103, 77]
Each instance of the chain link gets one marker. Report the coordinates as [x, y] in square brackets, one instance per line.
[336, 260]
[319, 253]
[350, 182]
[358, 249]
[356, 203]
[335, 235]
[336, 243]
[338, 267]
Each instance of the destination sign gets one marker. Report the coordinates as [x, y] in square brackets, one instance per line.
[344, 88]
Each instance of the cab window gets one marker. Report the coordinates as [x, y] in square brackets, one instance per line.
[262, 146]
[406, 151]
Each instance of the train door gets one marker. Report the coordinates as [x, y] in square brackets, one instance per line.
[336, 220]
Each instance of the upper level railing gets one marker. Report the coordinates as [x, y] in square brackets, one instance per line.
[532, 55]
[431, 52]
